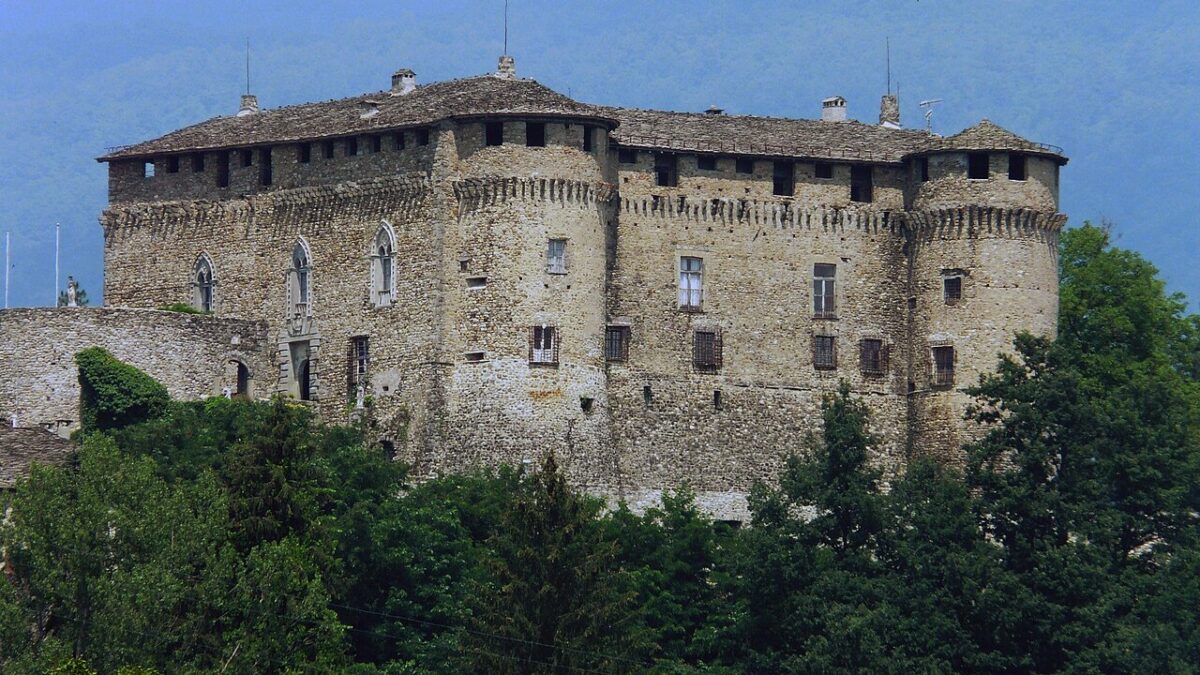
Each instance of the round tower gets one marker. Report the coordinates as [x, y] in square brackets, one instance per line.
[524, 327]
[983, 228]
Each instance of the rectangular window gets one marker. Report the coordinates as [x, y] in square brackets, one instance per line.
[556, 256]
[706, 163]
[359, 360]
[666, 173]
[862, 186]
[352, 146]
[247, 157]
[543, 345]
[824, 352]
[1016, 166]
[376, 143]
[327, 149]
[616, 343]
[706, 351]
[305, 154]
[422, 136]
[784, 177]
[872, 356]
[691, 290]
[222, 169]
[173, 164]
[398, 139]
[923, 168]
[627, 156]
[148, 169]
[535, 134]
[493, 133]
[198, 162]
[943, 366]
[587, 138]
[824, 297]
[977, 165]
[823, 170]
[952, 289]
[264, 169]
[745, 166]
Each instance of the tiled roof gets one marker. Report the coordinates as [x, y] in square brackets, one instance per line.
[21, 447]
[770, 136]
[467, 97]
[990, 136]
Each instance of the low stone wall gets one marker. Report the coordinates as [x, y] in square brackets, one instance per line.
[193, 356]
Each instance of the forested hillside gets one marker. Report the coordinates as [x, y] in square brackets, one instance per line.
[241, 537]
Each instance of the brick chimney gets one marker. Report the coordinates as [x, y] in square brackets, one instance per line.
[249, 105]
[889, 111]
[507, 69]
[833, 109]
[403, 82]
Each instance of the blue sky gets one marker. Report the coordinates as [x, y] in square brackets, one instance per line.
[1117, 84]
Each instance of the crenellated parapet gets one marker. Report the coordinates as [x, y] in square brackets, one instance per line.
[972, 222]
[773, 213]
[295, 207]
[477, 193]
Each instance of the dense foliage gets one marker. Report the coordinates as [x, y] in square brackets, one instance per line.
[114, 394]
[232, 536]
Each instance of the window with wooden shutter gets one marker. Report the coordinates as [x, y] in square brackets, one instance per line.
[543, 345]
[943, 366]
[706, 351]
[824, 352]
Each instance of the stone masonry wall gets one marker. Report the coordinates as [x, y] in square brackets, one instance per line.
[189, 354]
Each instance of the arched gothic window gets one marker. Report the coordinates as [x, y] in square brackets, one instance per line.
[300, 278]
[203, 284]
[383, 266]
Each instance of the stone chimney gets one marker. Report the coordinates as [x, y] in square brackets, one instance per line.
[507, 69]
[403, 82]
[833, 109]
[889, 111]
[249, 105]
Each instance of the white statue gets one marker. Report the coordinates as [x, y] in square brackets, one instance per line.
[72, 292]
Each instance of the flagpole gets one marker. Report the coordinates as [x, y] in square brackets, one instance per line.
[7, 264]
[56, 227]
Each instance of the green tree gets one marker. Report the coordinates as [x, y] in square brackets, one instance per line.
[553, 599]
[114, 394]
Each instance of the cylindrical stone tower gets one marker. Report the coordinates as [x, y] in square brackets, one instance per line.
[983, 230]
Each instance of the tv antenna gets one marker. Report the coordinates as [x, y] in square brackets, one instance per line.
[928, 106]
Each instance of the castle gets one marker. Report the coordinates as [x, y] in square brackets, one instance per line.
[491, 270]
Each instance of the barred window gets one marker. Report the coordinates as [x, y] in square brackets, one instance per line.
[616, 343]
[824, 299]
[872, 356]
[359, 360]
[706, 351]
[952, 289]
[691, 290]
[556, 256]
[824, 352]
[543, 345]
[943, 366]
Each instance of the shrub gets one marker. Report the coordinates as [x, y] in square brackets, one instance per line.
[114, 394]
[182, 308]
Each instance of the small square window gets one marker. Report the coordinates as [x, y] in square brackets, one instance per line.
[351, 147]
[247, 157]
[952, 289]
[1016, 166]
[784, 179]
[873, 356]
[666, 172]
[706, 163]
[493, 133]
[587, 138]
[943, 366]
[862, 187]
[173, 164]
[535, 134]
[148, 169]
[543, 345]
[824, 352]
[304, 156]
[376, 143]
[745, 166]
[198, 162]
[327, 149]
[977, 165]
[706, 351]
[422, 136]
[398, 139]
[823, 170]
[627, 156]
[616, 343]
[556, 256]
[923, 168]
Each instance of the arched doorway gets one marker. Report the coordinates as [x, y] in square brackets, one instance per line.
[305, 381]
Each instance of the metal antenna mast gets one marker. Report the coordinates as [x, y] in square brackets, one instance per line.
[56, 238]
[7, 264]
[505, 26]
[888, 43]
[247, 65]
[928, 106]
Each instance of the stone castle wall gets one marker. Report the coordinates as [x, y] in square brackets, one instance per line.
[191, 355]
